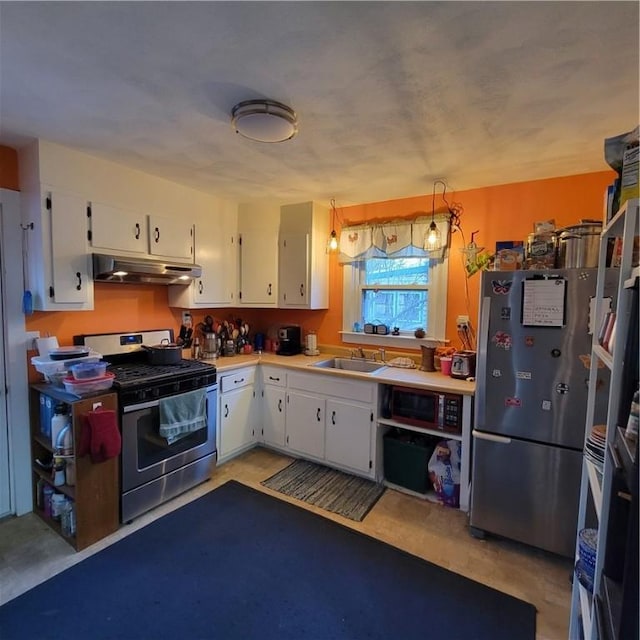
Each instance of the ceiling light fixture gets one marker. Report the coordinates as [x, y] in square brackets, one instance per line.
[333, 245]
[264, 120]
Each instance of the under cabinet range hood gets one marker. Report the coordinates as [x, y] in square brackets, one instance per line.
[123, 270]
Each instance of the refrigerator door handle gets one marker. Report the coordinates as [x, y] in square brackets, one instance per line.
[481, 368]
[481, 435]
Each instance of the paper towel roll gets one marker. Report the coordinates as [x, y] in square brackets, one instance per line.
[312, 343]
[46, 344]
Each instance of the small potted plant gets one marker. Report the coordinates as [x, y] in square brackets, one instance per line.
[419, 332]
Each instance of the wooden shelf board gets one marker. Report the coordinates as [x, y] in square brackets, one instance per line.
[428, 432]
[604, 355]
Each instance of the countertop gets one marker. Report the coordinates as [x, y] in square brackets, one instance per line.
[387, 375]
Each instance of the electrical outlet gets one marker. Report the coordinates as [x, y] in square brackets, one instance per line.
[462, 322]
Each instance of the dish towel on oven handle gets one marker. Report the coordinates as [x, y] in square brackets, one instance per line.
[182, 414]
[100, 435]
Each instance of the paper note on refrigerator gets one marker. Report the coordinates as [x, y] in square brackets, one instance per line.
[543, 302]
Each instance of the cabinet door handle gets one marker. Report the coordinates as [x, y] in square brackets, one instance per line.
[333, 417]
[302, 291]
[269, 289]
[137, 234]
[157, 234]
[79, 276]
[275, 379]
[318, 414]
[280, 405]
[200, 287]
[226, 410]
[238, 380]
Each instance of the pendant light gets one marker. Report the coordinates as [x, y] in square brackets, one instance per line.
[333, 245]
[433, 239]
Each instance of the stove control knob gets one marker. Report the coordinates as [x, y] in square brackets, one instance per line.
[155, 392]
[141, 394]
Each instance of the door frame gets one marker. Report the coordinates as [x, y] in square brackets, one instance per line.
[15, 342]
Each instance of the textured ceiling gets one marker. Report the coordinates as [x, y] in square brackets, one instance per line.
[390, 95]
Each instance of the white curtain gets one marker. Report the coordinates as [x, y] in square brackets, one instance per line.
[399, 239]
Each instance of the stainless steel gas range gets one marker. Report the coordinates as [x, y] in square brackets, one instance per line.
[167, 419]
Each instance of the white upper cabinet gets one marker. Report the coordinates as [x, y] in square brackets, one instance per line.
[116, 229]
[58, 267]
[303, 262]
[216, 252]
[258, 255]
[171, 237]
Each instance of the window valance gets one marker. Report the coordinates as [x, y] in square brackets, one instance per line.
[400, 239]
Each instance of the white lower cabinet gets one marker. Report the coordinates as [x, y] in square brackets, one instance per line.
[305, 424]
[312, 416]
[348, 435]
[237, 413]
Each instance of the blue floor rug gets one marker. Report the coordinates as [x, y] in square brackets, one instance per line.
[240, 564]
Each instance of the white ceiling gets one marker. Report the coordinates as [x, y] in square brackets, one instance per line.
[390, 95]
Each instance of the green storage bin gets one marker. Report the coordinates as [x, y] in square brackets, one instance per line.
[406, 459]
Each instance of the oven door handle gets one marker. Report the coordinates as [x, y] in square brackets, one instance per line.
[140, 406]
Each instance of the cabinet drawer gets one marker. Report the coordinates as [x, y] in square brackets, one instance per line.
[333, 386]
[237, 379]
[274, 376]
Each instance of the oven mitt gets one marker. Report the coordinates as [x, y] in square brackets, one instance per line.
[100, 436]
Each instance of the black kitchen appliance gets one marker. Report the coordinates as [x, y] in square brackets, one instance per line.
[289, 342]
[154, 469]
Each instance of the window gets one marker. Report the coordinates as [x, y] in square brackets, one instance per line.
[403, 292]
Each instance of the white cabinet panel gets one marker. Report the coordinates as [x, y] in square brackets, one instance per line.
[216, 252]
[273, 416]
[305, 424]
[303, 261]
[348, 435]
[294, 266]
[171, 237]
[236, 421]
[116, 229]
[259, 268]
[71, 277]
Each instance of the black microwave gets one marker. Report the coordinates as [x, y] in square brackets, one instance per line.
[424, 408]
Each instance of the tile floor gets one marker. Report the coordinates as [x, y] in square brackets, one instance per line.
[30, 552]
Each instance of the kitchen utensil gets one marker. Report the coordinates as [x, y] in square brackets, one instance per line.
[578, 245]
[164, 353]
[27, 298]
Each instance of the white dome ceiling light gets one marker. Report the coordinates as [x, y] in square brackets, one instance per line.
[264, 120]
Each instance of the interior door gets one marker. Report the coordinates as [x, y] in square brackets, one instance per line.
[5, 491]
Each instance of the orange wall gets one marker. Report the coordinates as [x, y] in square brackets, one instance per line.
[504, 212]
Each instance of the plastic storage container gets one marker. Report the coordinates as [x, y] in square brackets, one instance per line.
[86, 387]
[406, 459]
[88, 370]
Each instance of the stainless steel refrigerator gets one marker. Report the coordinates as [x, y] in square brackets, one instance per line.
[534, 344]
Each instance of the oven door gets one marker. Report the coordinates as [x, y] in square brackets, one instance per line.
[146, 455]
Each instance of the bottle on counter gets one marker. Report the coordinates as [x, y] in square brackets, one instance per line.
[633, 421]
[196, 348]
[59, 421]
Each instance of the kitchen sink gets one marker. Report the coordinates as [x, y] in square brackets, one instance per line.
[350, 364]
